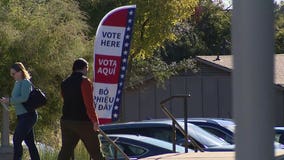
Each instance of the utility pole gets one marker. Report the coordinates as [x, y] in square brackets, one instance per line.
[253, 94]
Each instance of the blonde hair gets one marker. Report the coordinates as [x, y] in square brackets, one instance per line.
[18, 66]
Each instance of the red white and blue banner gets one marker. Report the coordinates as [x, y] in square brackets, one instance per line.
[112, 46]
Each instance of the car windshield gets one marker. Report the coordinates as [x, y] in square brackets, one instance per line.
[229, 124]
[231, 128]
[204, 137]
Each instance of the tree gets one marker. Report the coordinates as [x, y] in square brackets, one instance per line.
[151, 29]
[46, 35]
[279, 28]
[154, 22]
[207, 32]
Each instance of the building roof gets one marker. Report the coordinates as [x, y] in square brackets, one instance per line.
[225, 62]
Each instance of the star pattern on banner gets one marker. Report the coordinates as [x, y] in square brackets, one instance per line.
[124, 57]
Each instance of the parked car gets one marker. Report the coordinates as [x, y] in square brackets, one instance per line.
[162, 129]
[225, 128]
[279, 135]
[221, 127]
[136, 146]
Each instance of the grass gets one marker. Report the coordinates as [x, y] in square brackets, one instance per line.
[80, 153]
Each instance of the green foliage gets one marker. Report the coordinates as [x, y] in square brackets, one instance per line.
[155, 68]
[154, 20]
[279, 28]
[154, 23]
[96, 10]
[153, 26]
[46, 153]
[207, 32]
[46, 36]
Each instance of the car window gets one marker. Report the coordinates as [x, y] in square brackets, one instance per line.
[277, 137]
[230, 127]
[130, 150]
[161, 133]
[122, 131]
[218, 133]
[204, 137]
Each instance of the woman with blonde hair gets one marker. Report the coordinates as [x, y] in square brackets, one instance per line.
[25, 120]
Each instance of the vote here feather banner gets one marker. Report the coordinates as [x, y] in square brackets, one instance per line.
[111, 50]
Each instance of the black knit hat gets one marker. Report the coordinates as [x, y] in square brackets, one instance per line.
[79, 64]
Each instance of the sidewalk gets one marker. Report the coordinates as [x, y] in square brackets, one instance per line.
[201, 156]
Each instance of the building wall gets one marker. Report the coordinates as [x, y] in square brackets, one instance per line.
[210, 96]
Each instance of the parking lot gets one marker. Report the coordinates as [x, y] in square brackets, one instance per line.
[204, 156]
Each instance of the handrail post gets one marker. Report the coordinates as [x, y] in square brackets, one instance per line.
[171, 116]
[6, 149]
[115, 154]
[174, 136]
[185, 123]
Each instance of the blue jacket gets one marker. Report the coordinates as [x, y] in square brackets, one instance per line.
[20, 94]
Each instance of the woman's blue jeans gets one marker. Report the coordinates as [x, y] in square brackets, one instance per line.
[24, 132]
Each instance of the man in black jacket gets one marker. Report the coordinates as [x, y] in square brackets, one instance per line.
[79, 120]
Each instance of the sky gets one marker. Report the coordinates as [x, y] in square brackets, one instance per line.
[229, 2]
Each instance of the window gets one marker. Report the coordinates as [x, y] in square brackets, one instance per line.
[218, 133]
[129, 149]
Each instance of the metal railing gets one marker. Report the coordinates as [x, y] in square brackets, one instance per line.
[116, 148]
[114, 145]
[178, 126]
